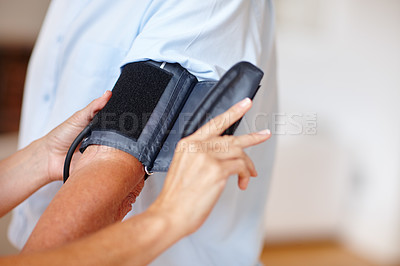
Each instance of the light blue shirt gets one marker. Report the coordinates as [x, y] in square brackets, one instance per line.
[78, 55]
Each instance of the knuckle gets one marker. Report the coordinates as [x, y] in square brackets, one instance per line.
[242, 164]
[220, 123]
[245, 174]
[182, 143]
[226, 138]
[214, 166]
[241, 153]
[235, 141]
[235, 151]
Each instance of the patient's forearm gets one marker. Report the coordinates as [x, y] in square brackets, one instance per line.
[95, 195]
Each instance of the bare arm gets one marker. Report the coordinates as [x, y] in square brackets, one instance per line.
[98, 193]
[190, 192]
[136, 241]
[41, 162]
[21, 175]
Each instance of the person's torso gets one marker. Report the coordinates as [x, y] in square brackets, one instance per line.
[83, 44]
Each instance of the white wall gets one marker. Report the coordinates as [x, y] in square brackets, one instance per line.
[341, 60]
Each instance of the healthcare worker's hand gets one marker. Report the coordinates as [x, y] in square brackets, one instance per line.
[42, 161]
[201, 166]
[57, 142]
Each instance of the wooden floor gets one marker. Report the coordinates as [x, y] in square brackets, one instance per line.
[311, 254]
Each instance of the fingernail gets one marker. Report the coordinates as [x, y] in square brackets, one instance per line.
[245, 102]
[264, 132]
[106, 92]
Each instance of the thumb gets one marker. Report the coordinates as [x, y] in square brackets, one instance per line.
[84, 116]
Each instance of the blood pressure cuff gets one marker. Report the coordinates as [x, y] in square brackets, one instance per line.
[155, 104]
[146, 101]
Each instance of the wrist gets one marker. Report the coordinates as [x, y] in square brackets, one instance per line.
[38, 161]
[175, 221]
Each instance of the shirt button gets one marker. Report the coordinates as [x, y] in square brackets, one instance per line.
[46, 97]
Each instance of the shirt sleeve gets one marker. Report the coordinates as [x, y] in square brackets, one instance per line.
[206, 37]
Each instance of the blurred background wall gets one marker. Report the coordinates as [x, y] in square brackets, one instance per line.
[339, 59]
[20, 22]
[339, 74]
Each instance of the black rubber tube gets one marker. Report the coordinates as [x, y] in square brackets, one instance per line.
[72, 149]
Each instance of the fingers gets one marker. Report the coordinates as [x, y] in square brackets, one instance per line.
[84, 116]
[251, 139]
[228, 150]
[239, 167]
[96, 105]
[231, 147]
[219, 124]
[236, 153]
[243, 183]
